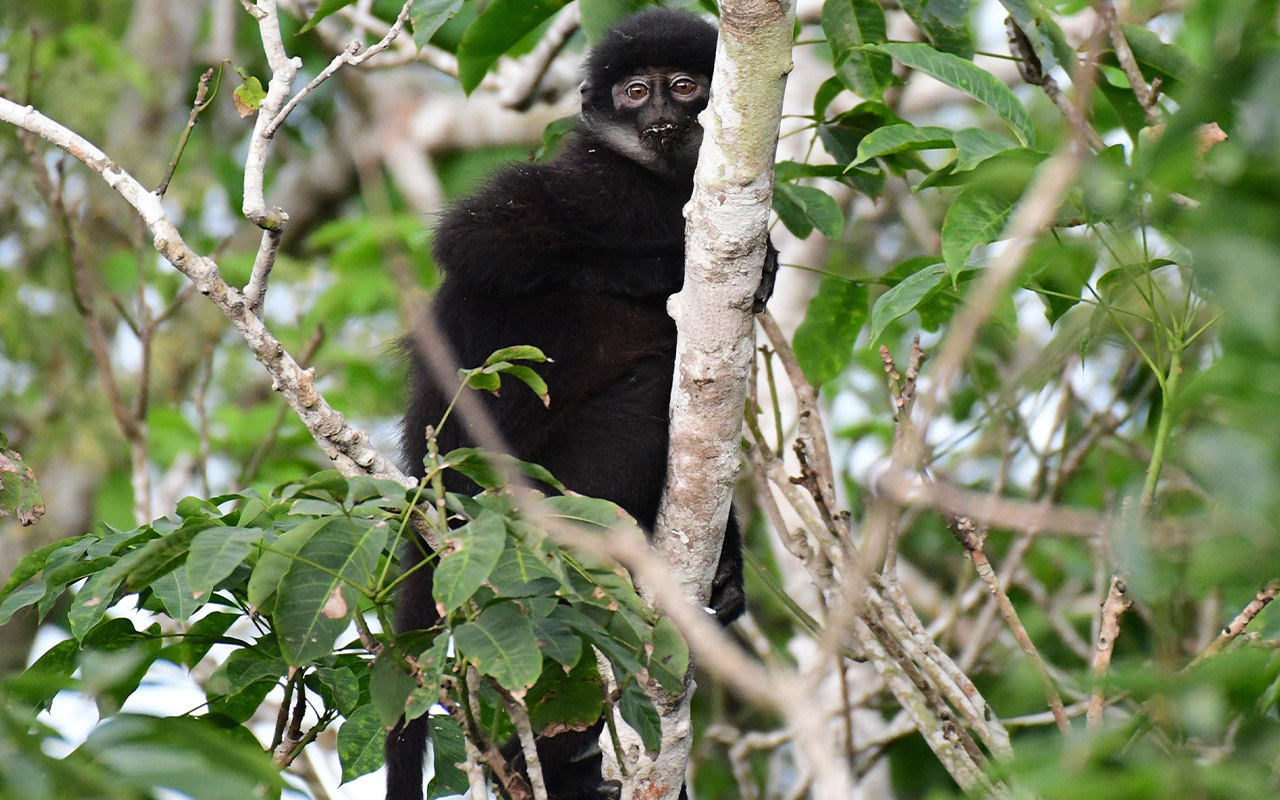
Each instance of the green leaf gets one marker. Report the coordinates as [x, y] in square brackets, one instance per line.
[670, 658]
[520, 352]
[91, 602]
[463, 569]
[896, 138]
[570, 697]
[203, 634]
[823, 342]
[974, 145]
[244, 668]
[32, 563]
[248, 96]
[849, 24]
[531, 379]
[341, 685]
[360, 743]
[186, 754]
[215, 553]
[1158, 59]
[558, 640]
[520, 573]
[599, 15]
[972, 80]
[427, 16]
[904, 297]
[175, 593]
[27, 595]
[501, 644]
[389, 688]
[139, 568]
[503, 23]
[325, 8]
[449, 749]
[318, 594]
[1047, 39]
[276, 561]
[945, 22]
[19, 494]
[977, 216]
[803, 208]
[638, 711]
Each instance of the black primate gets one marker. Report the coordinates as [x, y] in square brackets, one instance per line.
[577, 256]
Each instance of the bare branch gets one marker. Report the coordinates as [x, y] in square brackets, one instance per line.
[1236, 627]
[346, 446]
[1108, 632]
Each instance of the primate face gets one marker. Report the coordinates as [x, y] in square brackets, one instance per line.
[655, 118]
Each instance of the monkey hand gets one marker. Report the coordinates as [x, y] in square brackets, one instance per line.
[728, 595]
[768, 276]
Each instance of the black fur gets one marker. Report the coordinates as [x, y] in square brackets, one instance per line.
[576, 256]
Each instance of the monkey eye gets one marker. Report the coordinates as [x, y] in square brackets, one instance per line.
[683, 85]
[637, 90]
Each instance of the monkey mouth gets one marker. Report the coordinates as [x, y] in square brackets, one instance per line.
[664, 135]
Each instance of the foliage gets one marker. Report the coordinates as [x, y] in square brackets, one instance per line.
[281, 579]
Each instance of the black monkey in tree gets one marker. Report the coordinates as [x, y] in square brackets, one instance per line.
[577, 256]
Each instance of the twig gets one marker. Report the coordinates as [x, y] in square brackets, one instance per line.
[1242, 620]
[283, 72]
[1032, 71]
[1108, 632]
[349, 55]
[971, 539]
[992, 511]
[255, 290]
[524, 730]
[346, 446]
[519, 81]
[1147, 96]
[200, 104]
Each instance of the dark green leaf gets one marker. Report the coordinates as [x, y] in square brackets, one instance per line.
[503, 23]
[389, 688]
[816, 208]
[638, 711]
[849, 24]
[501, 644]
[323, 10]
[904, 297]
[215, 553]
[318, 594]
[360, 742]
[977, 216]
[970, 79]
[476, 548]
[897, 138]
[823, 342]
[427, 16]
[449, 749]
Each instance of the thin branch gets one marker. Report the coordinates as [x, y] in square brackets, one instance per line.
[967, 533]
[524, 731]
[200, 104]
[350, 55]
[1147, 96]
[1236, 627]
[992, 511]
[283, 72]
[348, 447]
[519, 82]
[1108, 632]
[1033, 72]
